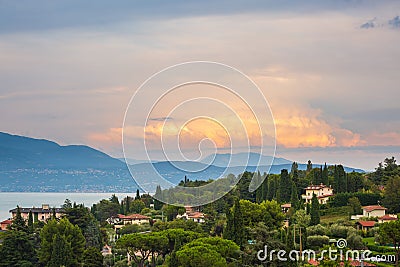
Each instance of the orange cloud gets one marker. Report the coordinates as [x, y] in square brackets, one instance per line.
[112, 136]
[305, 128]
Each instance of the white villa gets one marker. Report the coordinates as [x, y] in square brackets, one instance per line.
[121, 220]
[190, 214]
[374, 211]
[323, 193]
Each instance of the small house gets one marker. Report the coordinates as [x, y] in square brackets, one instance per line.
[374, 211]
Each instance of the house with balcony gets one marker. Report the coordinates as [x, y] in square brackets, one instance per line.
[323, 193]
[39, 214]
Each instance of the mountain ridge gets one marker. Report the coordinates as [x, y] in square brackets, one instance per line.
[39, 165]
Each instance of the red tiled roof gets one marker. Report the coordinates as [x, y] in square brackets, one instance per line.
[388, 218]
[313, 262]
[133, 217]
[6, 222]
[358, 263]
[287, 205]
[373, 207]
[366, 223]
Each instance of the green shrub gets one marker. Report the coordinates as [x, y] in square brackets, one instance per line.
[317, 241]
[380, 249]
[339, 231]
[317, 230]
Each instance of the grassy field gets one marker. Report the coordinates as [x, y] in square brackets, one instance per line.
[369, 240]
[326, 219]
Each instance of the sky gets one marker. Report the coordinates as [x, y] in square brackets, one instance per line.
[329, 71]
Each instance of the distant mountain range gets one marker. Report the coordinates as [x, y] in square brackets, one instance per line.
[240, 159]
[37, 165]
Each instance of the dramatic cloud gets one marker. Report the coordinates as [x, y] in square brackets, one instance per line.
[68, 72]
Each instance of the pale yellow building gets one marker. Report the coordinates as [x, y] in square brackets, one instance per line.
[323, 193]
[39, 214]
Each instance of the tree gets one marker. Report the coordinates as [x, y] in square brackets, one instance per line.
[92, 257]
[314, 212]
[355, 205]
[264, 188]
[294, 198]
[56, 239]
[17, 250]
[137, 194]
[158, 195]
[129, 229]
[81, 216]
[127, 200]
[141, 246]
[137, 206]
[238, 227]
[391, 231]
[105, 209]
[30, 222]
[228, 230]
[391, 198]
[172, 211]
[325, 177]
[272, 187]
[309, 166]
[227, 249]
[67, 204]
[302, 218]
[340, 179]
[354, 181]
[61, 254]
[18, 223]
[202, 255]
[285, 187]
[114, 199]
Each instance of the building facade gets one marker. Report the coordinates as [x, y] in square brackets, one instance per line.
[39, 214]
[323, 193]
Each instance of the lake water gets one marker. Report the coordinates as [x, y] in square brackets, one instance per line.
[9, 201]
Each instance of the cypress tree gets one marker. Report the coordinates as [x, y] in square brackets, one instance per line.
[238, 224]
[294, 200]
[325, 178]
[314, 213]
[259, 190]
[336, 180]
[271, 188]
[228, 230]
[122, 208]
[309, 166]
[137, 194]
[285, 187]
[30, 222]
[265, 188]
[127, 204]
[54, 214]
[342, 179]
[158, 204]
